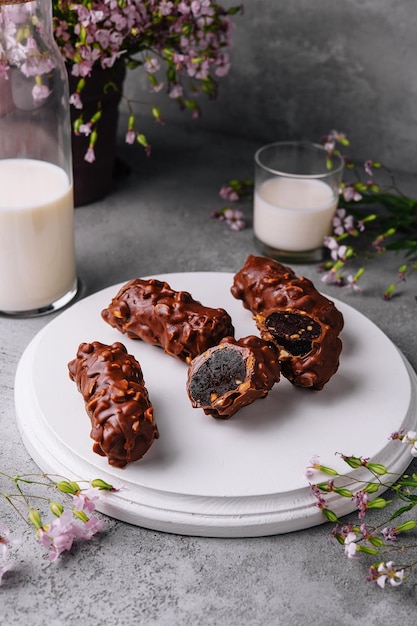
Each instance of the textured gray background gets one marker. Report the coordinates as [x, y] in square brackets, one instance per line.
[303, 67]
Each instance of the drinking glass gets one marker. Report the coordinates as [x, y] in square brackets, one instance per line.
[295, 198]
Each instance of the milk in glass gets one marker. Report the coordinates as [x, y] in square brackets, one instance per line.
[37, 258]
[293, 214]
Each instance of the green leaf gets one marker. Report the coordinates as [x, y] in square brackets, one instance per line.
[400, 511]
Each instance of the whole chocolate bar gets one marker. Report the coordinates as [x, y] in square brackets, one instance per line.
[150, 310]
[117, 401]
[290, 312]
[231, 375]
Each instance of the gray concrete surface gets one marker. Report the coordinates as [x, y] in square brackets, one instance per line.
[158, 220]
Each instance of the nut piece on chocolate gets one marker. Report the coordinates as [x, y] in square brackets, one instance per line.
[117, 402]
[232, 375]
[150, 310]
[290, 312]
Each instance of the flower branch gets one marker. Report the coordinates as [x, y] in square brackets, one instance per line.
[376, 541]
[182, 46]
[70, 504]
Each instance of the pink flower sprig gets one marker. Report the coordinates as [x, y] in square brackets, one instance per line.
[181, 45]
[234, 191]
[72, 519]
[360, 233]
[363, 538]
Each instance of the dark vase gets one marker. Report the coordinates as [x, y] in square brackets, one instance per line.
[93, 181]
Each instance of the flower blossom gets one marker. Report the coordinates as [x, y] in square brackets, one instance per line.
[350, 193]
[361, 500]
[235, 219]
[350, 545]
[5, 540]
[386, 572]
[336, 250]
[90, 155]
[228, 193]
[342, 222]
[313, 467]
[389, 533]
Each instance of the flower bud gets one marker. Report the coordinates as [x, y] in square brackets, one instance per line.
[80, 515]
[371, 488]
[330, 515]
[345, 493]
[377, 468]
[66, 486]
[409, 525]
[100, 484]
[56, 508]
[34, 518]
[378, 503]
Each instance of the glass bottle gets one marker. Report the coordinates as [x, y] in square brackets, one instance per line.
[37, 257]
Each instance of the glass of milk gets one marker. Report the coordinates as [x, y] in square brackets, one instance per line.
[37, 252]
[295, 199]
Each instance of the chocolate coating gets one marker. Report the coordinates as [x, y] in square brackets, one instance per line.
[117, 401]
[290, 312]
[231, 375]
[150, 310]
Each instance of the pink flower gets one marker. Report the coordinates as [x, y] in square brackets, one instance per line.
[5, 540]
[130, 136]
[312, 468]
[90, 156]
[332, 277]
[361, 500]
[165, 7]
[350, 193]
[352, 283]
[58, 536]
[368, 167]
[85, 129]
[321, 502]
[93, 526]
[350, 545]
[386, 572]
[228, 193]
[176, 91]
[76, 101]
[85, 500]
[234, 219]
[342, 222]
[40, 92]
[389, 534]
[151, 65]
[336, 250]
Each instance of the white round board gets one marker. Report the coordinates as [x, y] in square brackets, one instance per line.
[218, 478]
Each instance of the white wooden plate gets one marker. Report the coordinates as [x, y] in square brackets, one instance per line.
[206, 477]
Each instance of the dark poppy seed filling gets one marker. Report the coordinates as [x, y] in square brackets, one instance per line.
[293, 331]
[223, 372]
